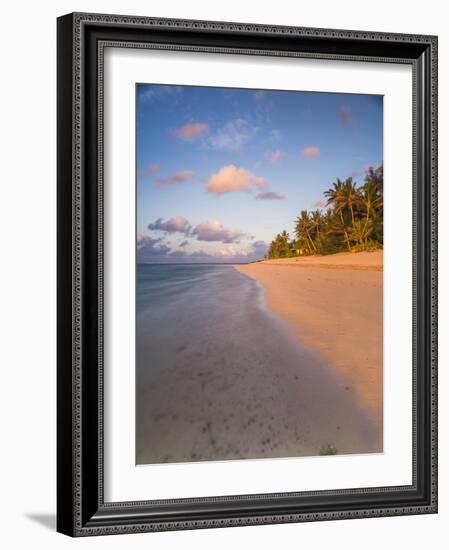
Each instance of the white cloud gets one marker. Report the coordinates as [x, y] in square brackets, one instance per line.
[151, 250]
[275, 156]
[233, 136]
[173, 225]
[178, 254]
[152, 92]
[256, 251]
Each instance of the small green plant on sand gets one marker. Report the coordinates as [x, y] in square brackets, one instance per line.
[329, 450]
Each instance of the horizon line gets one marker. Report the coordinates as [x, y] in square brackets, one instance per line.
[195, 263]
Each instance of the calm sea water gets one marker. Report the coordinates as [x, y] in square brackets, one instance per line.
[212, 309]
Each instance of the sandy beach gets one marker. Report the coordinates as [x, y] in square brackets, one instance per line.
[334, 303]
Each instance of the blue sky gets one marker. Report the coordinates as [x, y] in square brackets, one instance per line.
[221, 171]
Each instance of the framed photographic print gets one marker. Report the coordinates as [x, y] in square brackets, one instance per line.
[247, 284]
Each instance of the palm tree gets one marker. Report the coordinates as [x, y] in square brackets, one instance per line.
[302, 229]
[376, 175]
[351, 196]
[354, 216]
[316, 221]
[280, 247]
[371, 197]
[336, 199]
[360, 231]
[334, 194]
[284, 246]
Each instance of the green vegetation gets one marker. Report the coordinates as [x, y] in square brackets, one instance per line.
[329, 450]
[352, 221]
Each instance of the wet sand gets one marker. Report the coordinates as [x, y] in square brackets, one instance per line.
[335, 304]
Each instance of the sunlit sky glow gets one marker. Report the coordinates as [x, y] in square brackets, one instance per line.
[221, 171]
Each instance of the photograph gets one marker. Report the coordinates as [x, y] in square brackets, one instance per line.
[259, 274]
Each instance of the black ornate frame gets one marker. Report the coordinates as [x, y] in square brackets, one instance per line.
[81, 509]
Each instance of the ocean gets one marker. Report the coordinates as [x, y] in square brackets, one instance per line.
[211, 313]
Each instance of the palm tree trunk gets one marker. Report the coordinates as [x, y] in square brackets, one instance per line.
[310, 239]
[352, 213]
[368, 211]
[345, 232]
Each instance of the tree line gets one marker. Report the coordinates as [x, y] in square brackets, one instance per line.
[351, 221]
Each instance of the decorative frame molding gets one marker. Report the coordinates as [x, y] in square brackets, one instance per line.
[81, 41]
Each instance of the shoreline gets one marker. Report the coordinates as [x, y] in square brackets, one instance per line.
[224, 377]
[335, 305]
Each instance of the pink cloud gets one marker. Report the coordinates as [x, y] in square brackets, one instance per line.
[179, 177]
[345, 115]
[213, 231]
[270, 196]
[232, 179]
[151, 169]
[191, 131]
[310, 152]
[275, 156]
